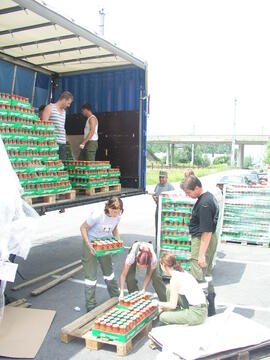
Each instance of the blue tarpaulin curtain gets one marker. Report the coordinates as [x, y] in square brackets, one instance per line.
[106, 91]
[24, 82]
[41, 96]
[6, 77]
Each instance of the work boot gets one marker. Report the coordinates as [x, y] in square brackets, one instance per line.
[211, 304]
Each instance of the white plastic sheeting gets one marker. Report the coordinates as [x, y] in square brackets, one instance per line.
[17, 219]
[219, 333]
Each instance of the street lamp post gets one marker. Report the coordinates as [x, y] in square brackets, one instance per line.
[233, 134]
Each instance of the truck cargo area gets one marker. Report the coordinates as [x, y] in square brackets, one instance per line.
[43, 54]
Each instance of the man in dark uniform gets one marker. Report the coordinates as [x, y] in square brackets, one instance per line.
[202, 228]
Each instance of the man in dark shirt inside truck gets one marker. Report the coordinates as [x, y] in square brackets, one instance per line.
[202, 228]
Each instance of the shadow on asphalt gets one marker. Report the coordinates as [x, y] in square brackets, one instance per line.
[227, 273]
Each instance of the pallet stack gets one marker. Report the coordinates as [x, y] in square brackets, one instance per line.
[31, 147]
[174, 217]
[90, 175]
[246, 217]
[122, 323]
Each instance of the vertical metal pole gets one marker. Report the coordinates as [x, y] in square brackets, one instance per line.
[234, 134]
[101, 21]
[13, 80]
[34, 88]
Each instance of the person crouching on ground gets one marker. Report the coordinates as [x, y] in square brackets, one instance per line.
[97, 226]
[186, 301]
[142, 256]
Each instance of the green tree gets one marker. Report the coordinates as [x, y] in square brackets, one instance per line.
[267, 155]
[248, 162]
[221, 160]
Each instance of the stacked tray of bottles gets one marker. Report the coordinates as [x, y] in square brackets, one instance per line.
[88, 174]
[87, 165]
[128, 301]
[123, 324]
[47, 189]
[94, 183]
[108, 246]
[15, 106]
[31, 147]
[25, 135]
[27, 125]
[246, 214]
[175, 239]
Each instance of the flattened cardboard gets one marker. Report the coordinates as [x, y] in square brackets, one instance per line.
[22, 331]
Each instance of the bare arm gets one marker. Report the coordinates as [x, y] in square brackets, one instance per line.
[123, 279]
[93, 124]
[47, 112]
[116, 233]
[84, 227]
[205, 240]
[174, 292]
[147, 279]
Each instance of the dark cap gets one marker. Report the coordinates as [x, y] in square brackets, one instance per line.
[163, 173]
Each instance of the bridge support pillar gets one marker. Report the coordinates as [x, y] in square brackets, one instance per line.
[168, 155]
[192, 154]
[172, 155]
[241, 154]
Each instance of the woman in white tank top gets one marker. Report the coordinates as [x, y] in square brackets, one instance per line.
[186, 302]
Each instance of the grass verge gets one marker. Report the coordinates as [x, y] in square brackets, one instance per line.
[177, 174]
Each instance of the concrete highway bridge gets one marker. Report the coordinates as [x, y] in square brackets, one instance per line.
[240, 140]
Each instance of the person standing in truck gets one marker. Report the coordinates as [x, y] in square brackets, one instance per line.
[161, 187]
[202, 228]
[56, 112]
[89, 144]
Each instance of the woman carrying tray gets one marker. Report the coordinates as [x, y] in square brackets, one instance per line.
[142, 256]
[97, 226]
[186, 302]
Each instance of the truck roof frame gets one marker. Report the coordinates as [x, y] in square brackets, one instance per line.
[94, 52]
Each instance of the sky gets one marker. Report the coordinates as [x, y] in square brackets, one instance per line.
[202, 54]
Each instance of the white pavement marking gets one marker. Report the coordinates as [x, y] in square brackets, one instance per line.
[244, 262]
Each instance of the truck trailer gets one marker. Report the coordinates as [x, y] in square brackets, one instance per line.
[43, 53]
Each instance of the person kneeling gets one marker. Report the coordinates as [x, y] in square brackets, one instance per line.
[186, 302]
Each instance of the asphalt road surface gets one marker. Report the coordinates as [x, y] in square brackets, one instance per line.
[241, 275]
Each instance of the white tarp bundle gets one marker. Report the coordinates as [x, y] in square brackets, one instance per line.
[17, 222]
[219, 333]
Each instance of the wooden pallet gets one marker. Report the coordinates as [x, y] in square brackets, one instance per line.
[50, 199]
[250, 352]
[99, 190]
[265, 244]
[20, 303]
[79, 327]
[122, 349]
